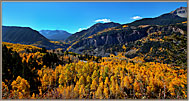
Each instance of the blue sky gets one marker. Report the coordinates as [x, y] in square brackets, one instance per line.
[75, 16]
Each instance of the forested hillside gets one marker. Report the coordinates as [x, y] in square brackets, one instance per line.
[38, 74]
[154, 43]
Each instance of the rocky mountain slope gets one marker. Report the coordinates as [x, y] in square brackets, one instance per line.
[110, 40]
[90, 31]
[181, 12]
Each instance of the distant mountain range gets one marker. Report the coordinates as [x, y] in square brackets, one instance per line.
[55, 35]
[99, 39]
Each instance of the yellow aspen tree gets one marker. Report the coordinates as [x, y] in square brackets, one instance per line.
[100, 79]
[113, 86]
[88, 79]
[122, 84]
[94, 75]
[21, 86]
[82, 91]
[76, 90]
[106, 92]
[124, 47]
[5, 91]
[126, 82]
[71, 91]
[117, 90]
[33, 96]
[136, 86]
[61, 79]
[81, 80]
[67, 92]
[106, 83]
[94, 85]
[99, 93]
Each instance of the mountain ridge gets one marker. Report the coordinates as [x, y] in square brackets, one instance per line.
[26, 35]
[164, 19]
[55, 35]
[20, 34]
[106, 43]
[114, 36]
[90, 31]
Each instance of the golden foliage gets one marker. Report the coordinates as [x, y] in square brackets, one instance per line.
[20, 88]
[114, 77]
[19, 47]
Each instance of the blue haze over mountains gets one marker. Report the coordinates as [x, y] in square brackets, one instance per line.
[55, 35]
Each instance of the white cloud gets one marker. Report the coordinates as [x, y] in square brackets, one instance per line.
[103, 20]
[136, 17]
[80, 29]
